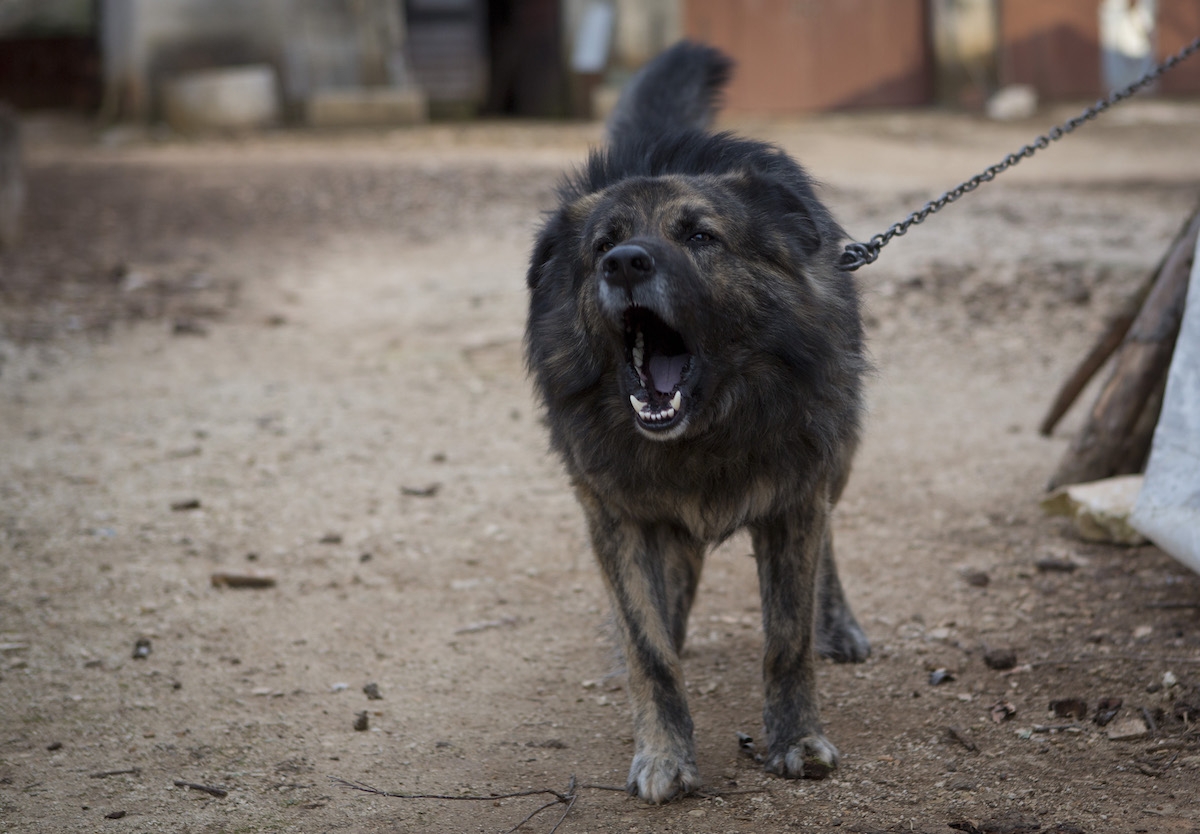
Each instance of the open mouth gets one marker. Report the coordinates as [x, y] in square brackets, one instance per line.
[660, 368]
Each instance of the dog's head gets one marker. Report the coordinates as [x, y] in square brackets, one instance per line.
[686, 299]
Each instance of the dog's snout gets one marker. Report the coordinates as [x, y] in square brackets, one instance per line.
[627, 265]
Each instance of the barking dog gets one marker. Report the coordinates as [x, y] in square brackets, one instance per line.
[699, 356]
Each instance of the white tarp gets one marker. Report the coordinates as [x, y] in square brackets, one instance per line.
[1168, 508]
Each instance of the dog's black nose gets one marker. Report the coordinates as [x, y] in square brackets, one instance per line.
[627, 265]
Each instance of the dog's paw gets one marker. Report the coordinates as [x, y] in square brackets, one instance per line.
[812, 757]
[843, 641]
[659, 779]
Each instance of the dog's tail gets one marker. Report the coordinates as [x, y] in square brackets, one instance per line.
[678, 89]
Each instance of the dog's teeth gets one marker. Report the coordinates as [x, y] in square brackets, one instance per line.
[676, 401]
[639, 354]
[668, 414]
[637, 404]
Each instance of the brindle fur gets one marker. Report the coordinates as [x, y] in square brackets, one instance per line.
[772, 414]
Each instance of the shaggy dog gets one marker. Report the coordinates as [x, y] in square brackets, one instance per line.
[699, 355]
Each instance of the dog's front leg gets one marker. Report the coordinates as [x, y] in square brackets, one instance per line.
[634, 566]
[788, 550]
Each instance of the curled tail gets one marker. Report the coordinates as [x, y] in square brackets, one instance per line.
[678, 89]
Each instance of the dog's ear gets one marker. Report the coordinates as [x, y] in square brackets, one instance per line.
[544, 250]
[783, 201]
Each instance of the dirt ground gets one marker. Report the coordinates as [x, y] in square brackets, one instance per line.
[300, 355]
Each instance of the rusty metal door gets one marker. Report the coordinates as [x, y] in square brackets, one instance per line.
[1055, 47]
[808, 55]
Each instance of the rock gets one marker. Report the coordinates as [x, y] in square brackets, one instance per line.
[1100, 509]
[141, 648]
[185, 504]
[361, 721]
[372, 692]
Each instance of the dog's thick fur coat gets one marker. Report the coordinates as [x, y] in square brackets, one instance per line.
[700, 356]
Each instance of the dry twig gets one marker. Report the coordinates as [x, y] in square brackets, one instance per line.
[566, 797]
[209, 789]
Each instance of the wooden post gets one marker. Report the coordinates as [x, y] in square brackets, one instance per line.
[1107, 444]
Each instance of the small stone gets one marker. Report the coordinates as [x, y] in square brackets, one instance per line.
[242, 579]
[141, 648]
[1052, 564]
[1069, 707]
[1000, 658]
[361, 721]
[1002, 711]
[114, 815]
[940, 676]
[330, 538]
[185, 504]
[1127, 729]
[188, 327]
[372, 692]
[54, 745]
[976, 578]
[1106, 711]
[427, 491]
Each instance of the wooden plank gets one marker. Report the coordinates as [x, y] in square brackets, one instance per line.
[1103, 447]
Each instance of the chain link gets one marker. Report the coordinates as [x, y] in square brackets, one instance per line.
[860, 254]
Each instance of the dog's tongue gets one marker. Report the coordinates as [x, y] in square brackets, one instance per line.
[666, 371]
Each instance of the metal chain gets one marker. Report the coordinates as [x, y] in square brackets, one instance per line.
[860, 254]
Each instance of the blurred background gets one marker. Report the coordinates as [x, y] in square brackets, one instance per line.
[326, 62]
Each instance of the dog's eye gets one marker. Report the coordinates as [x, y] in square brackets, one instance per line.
[604, 246]
[701, 237]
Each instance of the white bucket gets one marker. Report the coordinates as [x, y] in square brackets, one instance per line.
[230, 98]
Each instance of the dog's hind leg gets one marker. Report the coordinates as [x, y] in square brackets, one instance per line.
[647, 615]
[788, 551]
[839, 636]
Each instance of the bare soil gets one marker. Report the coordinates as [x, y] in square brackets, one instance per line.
[301, 355]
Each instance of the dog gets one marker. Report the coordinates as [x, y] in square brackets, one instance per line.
[699, 357]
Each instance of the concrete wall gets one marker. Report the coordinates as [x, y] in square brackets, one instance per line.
[147, 41]
[313, 45]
